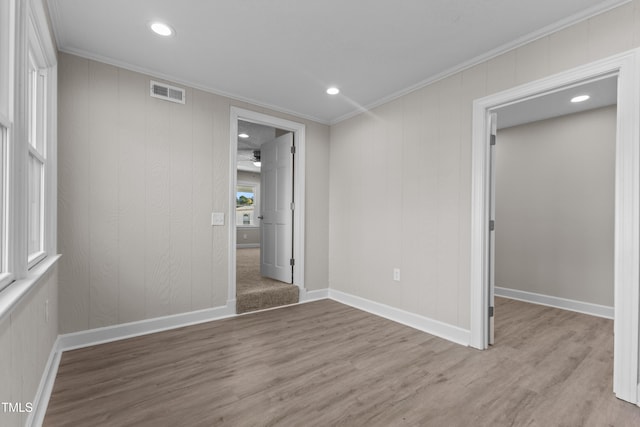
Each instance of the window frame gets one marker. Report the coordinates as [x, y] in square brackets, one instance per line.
[256, 203]
[7, 97]
[6, 276]
[26, 28]
[37, 144]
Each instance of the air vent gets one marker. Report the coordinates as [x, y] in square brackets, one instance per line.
[168, 93]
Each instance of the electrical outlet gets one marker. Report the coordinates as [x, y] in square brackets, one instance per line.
[396, 274]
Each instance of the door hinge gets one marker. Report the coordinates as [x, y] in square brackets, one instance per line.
[293, 206]
[492, 140]
[492, 225]
[293, 149]
[292, 262]
[490, 311]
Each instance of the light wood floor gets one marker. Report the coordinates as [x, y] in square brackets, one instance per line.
[326, 364]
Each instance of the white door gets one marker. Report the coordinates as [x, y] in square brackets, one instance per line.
[492, 217]
[276, 179]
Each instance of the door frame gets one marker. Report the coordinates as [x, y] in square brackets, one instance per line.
[627, 209]
[299, 140]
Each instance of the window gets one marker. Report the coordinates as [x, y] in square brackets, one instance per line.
[6, 59]
[5, 278]
[28, 97]
[7, 15]
[247, 205]
[36, 135]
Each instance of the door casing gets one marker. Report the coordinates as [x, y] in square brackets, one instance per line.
[298, 129]
[627, 208]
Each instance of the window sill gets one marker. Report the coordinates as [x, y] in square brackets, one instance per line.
[13, 293]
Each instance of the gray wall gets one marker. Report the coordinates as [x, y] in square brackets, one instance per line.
[248, 235]
[404, 170]
[138, 180]
[555, 206]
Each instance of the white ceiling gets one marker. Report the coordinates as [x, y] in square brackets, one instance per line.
[284, 53]
[602, 92]
[258, 135]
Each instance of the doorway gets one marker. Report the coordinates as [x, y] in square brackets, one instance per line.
[264, 193]
[552, 200]
[266, 257]
[626, 216]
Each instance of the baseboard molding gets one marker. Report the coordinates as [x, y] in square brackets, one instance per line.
[563, 303]
[247, 245]
[143, 327]
[41, 400]
[421, 323]
[308, 296]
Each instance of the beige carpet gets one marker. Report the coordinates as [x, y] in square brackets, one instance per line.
[254, 292]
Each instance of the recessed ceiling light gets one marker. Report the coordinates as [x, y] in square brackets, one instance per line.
[580, 98]
[333, 91]
[243, 135]
[161, 29]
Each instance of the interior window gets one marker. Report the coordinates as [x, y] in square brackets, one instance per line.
[246, 205]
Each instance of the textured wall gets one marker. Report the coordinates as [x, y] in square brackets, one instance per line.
[411, 182]
[555, 206]
[26, 339]
[138, 180]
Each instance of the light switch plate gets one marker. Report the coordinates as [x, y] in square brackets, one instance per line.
[217, 218]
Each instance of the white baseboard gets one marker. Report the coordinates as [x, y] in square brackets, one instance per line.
[563, 303]
[247, 245]
[317, 295]
[143, 327]
[421, 323]
[41, 400]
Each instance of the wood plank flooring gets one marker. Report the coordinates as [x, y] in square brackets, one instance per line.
[327, 364]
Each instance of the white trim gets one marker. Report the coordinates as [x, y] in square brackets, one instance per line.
[43, 394]
[627, 209]
[299, 131]
[309, 296]
[557, 302]
[247, 245]
[51, 170]
[421, 323]
[123, 331]
[38, 18]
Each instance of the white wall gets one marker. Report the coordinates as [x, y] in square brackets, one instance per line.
[414, 154]
[138, 180]
[555, 206]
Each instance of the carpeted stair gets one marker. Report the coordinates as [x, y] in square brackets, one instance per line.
[254, 292]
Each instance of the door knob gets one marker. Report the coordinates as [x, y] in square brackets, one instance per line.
[260, 217]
